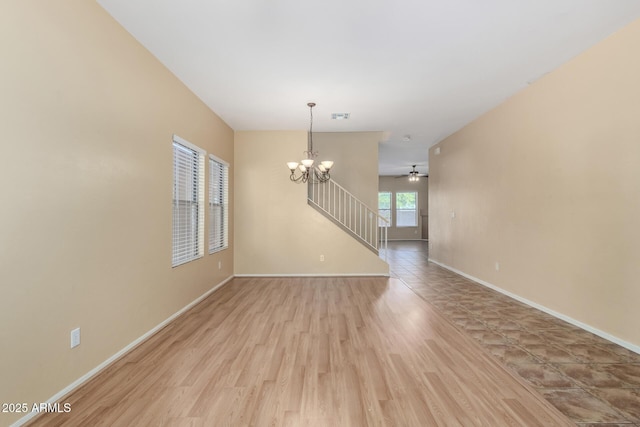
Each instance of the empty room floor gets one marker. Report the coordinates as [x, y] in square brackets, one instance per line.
[340, 351]
[592, 381]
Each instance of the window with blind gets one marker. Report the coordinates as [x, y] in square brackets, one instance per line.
[384, 208]
[407, 209]
[188, 202]
[218, 204]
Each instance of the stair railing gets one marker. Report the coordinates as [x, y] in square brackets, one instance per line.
[361, 221]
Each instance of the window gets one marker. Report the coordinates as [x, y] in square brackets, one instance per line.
[406, 209]
[188, 202]
[218, 204]
[384, 208]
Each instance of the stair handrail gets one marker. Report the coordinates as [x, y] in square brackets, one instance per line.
[375, 240]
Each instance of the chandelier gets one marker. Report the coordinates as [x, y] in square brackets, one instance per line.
[306, 166]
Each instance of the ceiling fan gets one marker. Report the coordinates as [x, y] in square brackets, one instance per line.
[414, 175]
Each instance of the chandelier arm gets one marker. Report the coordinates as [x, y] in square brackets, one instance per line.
[321, 176]
[304, 177]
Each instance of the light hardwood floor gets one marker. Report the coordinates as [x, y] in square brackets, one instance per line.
[308, 352]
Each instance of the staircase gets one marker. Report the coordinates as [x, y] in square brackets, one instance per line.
[349, 213]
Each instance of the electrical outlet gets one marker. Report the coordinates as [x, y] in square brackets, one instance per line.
[322, 258]
[219, 265]
[497, 266]
[75, 337]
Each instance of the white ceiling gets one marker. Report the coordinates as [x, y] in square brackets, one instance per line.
[422, 68]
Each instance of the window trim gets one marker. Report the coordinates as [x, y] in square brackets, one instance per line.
[180, 256]
[214, 246]
[390, 223]
[415, 209]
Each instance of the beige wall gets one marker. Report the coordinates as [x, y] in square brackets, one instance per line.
[85, 226]
[356, 157]
[393, 184]
[276, 231]
[548, 185]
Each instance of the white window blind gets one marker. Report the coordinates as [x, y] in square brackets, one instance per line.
[218, 204]
[188, 201]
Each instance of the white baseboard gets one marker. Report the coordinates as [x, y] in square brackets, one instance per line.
[561, 316]
[313, 275]
[86, 377]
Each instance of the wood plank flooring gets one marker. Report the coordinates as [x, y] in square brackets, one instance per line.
[308, 352]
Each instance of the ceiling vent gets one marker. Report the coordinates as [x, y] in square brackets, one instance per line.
[340, 116]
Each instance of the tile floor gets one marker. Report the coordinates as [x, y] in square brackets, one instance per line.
[591, 380]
